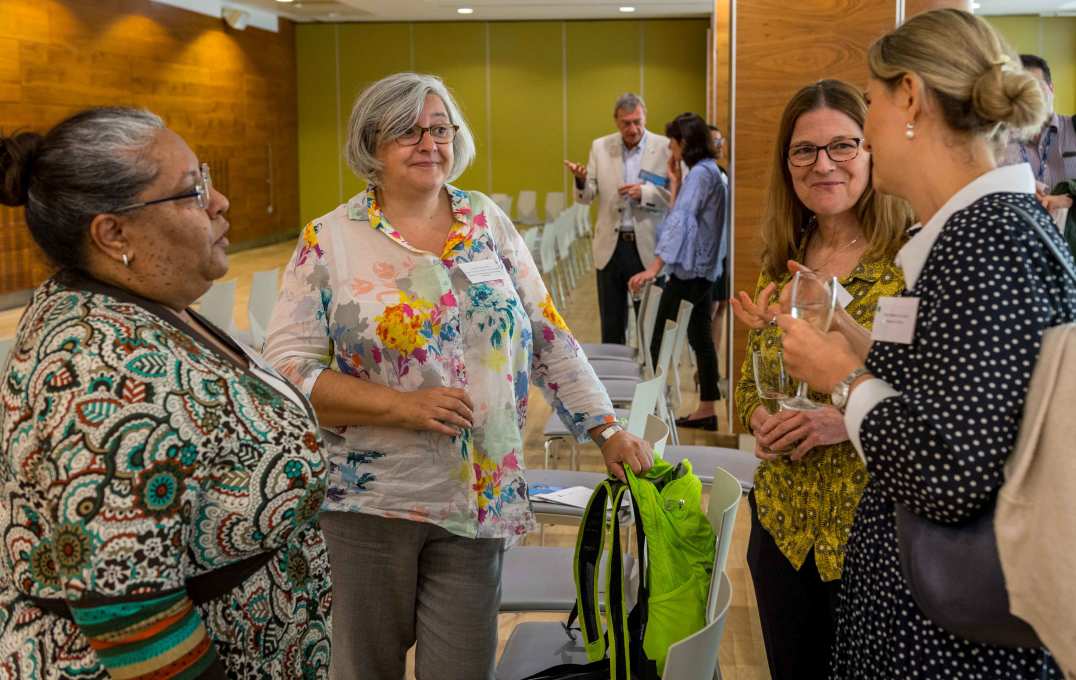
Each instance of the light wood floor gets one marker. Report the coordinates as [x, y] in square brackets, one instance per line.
[742, 656]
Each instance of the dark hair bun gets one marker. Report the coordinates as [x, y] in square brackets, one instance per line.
[17, 154]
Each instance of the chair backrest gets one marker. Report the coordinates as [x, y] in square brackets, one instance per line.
[547, 248]
[656, 433]
[648, 316]
[527, 207]
[725, 494]
[263, 296]
[643, 402]
[504, 202]
[695, 657]
[7, 343]
[554, 204]
[582, 219]
[218, 304]
[565, 235]
[530, 239]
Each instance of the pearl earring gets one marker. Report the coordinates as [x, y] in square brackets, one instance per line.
[126, 262]
[910, 131]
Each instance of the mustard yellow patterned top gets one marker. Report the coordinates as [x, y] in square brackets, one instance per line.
[811, 503]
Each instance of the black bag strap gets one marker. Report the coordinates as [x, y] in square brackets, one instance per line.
[589, 546]
[1064, 259]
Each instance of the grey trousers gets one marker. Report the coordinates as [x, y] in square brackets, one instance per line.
[398, 583]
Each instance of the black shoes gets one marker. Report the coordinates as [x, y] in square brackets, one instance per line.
[708, 423]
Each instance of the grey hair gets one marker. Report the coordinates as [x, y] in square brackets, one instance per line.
[91, 163]
[388, 109]
[628, 102]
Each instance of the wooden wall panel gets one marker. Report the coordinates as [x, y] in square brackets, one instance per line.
[721, 30]
[230, 94]
[913, 7]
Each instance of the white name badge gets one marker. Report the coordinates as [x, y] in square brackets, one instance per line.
[894, 319]
[481, 271]
[843, 296]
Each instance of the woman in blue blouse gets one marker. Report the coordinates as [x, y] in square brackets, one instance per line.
[692, 245]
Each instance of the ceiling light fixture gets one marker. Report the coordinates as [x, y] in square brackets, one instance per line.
[284, 0]
[627, 9]
[465, 10]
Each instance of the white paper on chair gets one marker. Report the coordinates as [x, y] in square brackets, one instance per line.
[573, 496]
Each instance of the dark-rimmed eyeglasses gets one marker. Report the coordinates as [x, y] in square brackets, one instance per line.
[839, 151]
[440, 134]
[203, 184]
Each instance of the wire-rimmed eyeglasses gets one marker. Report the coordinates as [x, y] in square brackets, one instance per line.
[203, 184]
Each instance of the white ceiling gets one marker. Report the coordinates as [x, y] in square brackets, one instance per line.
[504, 10]
[484, 10]
[1026, 6]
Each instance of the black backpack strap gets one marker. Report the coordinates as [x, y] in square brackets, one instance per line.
[1064, 259]
[620, 638]
[589, 546]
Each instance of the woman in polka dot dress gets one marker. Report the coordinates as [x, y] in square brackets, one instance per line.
[935, 414]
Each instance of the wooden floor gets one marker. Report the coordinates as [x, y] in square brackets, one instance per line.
[742, 656]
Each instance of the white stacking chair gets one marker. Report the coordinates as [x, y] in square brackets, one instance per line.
[565, 234]
[554, 205]
[547, 260]
[530, 239]
[6, 345]
[504, 202]
[741, 464]
[644, 326]
[527, 207]
[263, 295]
[217, 305]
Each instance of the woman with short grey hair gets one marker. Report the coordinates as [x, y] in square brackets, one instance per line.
[415, 319]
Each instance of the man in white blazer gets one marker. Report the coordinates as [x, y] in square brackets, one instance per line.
[628, 171]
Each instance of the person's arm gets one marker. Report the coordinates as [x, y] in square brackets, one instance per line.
[123, 581]
[678, 233]
[587, 188]
[299, 346]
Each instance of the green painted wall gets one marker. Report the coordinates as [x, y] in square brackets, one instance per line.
[1053, 39]
[534, 92]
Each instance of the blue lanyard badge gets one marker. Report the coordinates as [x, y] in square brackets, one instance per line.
[656, 180]
[1044, 154]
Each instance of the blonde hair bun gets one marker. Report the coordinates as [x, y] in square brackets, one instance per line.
[1011, 97]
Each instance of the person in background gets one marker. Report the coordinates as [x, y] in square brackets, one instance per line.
[721, 285]
[935, 413]
[823, 212]
[692, 243]
[1050, 149]
[628, 172]
[161, 484]
[415, 319]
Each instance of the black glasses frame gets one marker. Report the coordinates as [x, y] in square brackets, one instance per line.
[422, 131]
[857, 140]
[203, 184]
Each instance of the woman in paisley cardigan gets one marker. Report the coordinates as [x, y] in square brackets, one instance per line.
[934, 412]
[823, 211]
[160, 485]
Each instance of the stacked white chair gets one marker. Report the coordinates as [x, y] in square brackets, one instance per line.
[263, 296]
[504, 202]
[554, 205]
[527, 207]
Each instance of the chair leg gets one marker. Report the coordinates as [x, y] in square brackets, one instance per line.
[548, 445]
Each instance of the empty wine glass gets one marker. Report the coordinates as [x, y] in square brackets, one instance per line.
[814, 300]
[773, 383]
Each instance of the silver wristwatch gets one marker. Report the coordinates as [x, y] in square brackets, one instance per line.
[839, 395]
[610, 432]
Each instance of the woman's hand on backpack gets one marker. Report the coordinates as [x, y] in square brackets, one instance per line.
[625, 449]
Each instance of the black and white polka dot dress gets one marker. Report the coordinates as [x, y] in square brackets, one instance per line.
[988, 290]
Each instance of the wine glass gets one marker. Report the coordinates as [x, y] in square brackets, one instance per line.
[773, 383]
[814, 300]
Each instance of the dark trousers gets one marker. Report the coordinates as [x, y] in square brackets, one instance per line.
[698, 292]
[613, 290]
[797, 609]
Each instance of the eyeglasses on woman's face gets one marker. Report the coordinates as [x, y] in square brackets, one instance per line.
[203, 185]
[838, 151]
[440, 134]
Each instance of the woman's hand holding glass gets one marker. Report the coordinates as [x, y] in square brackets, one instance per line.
[819, 359]
[813, 300]
[774, 386]
[800, 431]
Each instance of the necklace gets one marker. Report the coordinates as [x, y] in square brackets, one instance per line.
[835, 253]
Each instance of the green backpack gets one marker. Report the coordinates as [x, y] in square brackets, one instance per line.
[676, 557]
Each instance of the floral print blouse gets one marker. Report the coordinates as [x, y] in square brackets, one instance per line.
[359, 299]
[811, 503]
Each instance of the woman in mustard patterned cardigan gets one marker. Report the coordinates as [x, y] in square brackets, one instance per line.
[823, 213]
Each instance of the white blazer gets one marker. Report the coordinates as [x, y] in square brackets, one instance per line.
[605, 173]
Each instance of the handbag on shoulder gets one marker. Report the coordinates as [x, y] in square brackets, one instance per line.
[954, 571]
